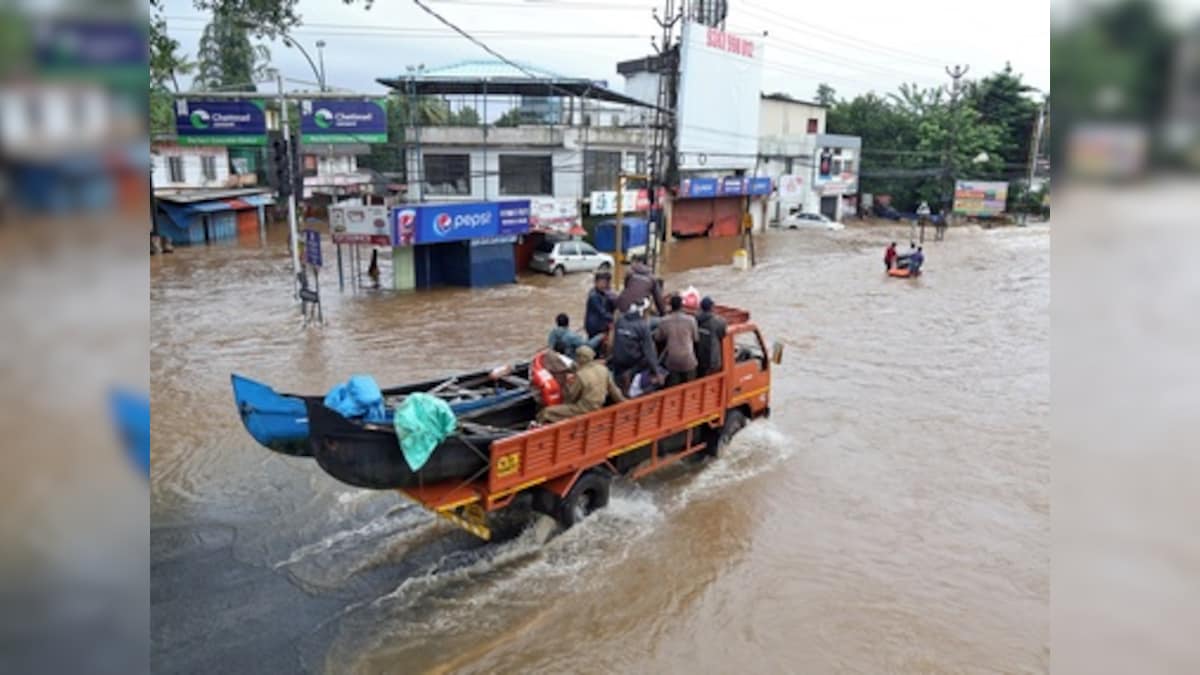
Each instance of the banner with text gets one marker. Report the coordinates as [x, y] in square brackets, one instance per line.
[604, 202]
[358, 224]
[420, 224]
[980, 198]
[225, 122]
[343, 121]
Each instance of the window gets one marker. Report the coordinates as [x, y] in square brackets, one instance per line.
[586, 249]
[568, 248]
[175, 168]
[812, 125]
[546, 246]
[747, 347]
[208, 167]
[526, 175]
[447, 174]
[600, 170]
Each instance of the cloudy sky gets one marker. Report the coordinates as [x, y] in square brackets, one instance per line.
[854, 45]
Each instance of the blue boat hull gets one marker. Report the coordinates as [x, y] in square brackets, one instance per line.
[279, 422]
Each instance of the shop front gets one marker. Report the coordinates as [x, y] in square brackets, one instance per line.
[712, 207]
[461, 244]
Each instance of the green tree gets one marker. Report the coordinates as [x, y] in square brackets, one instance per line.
[465, 117]
[1002, 101]
[826, 95]
[512, 118]
[166, 65]
[227, 58]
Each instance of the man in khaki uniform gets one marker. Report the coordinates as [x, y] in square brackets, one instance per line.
[586, 391]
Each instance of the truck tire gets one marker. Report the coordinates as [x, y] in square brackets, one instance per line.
[735, 420]
[588, 494]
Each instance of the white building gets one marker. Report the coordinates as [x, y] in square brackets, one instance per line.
[813, 172]
[546, 136]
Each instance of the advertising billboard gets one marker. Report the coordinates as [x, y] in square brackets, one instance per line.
[225, 122]
[343, 121]
[553, 214]
[719, 88]
[419, 224]
[836, 171]
[980, 198]
[604, 202]
[358, 224]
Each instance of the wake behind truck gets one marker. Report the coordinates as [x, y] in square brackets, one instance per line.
[492, 458]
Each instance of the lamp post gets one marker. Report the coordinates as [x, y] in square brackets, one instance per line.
[321, 61]
[320, 73]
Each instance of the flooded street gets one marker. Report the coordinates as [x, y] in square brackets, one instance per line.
[892, 515]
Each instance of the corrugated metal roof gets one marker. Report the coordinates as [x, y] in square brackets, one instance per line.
[484, 69]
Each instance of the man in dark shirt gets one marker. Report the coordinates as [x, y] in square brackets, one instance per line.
[600, 304]
[632, 349]
[678, 329]
[712, 339]
[639, 285]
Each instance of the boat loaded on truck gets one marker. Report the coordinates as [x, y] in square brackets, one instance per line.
[488, 455]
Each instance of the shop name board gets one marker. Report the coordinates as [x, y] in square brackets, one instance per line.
[343, 121]
[730, 186]
[226, 122]
[718, 39]
[438, 223]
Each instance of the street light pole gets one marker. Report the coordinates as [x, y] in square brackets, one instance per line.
[320, 73]
[321, 60]
[291, 202]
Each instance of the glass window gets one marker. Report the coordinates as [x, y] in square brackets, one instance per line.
[600, 169]
[568, 248]
[812, 125]
[175, 168]
[208, 165]
[586, 249]
[545, 246]
[747, 347]
[447, 174]
[526, 175]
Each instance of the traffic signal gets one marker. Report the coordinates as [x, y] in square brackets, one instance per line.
[281, 169]
[297, 168]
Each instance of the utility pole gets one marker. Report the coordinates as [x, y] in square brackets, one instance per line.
[291, 200]
[1037, 141]
[413, 72]
[663, 167]
[948, 174]
[321, 61]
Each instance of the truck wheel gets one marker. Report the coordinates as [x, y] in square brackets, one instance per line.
[589, 494]
[734, 421]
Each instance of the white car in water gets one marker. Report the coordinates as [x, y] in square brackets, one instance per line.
[798, 219]
[562, 256]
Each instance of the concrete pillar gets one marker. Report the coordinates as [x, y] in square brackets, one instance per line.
[404, 271]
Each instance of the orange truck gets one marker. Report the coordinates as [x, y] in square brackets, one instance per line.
[568, 467]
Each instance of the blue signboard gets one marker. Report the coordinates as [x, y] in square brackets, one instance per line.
[437, 223]
[312, 248]
[698, 187]
[93, 44]
[732, 186]
[232, 122]
[759, 185]
[343, 121]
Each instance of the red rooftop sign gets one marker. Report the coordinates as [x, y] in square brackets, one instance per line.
[719, 39]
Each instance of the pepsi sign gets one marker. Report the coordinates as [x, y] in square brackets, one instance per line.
[438, 223]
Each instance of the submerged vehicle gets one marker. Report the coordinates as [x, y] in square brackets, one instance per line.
[493, 456]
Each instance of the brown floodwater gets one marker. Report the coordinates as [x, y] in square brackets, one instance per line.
[892, 515]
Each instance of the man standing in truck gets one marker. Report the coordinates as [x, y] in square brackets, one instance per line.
[639, 285]
[680, 332]
[600, 304]
[632, 348]
[712, 337]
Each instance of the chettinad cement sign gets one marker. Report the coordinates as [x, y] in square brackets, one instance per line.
[343, 121]
[225, 122]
